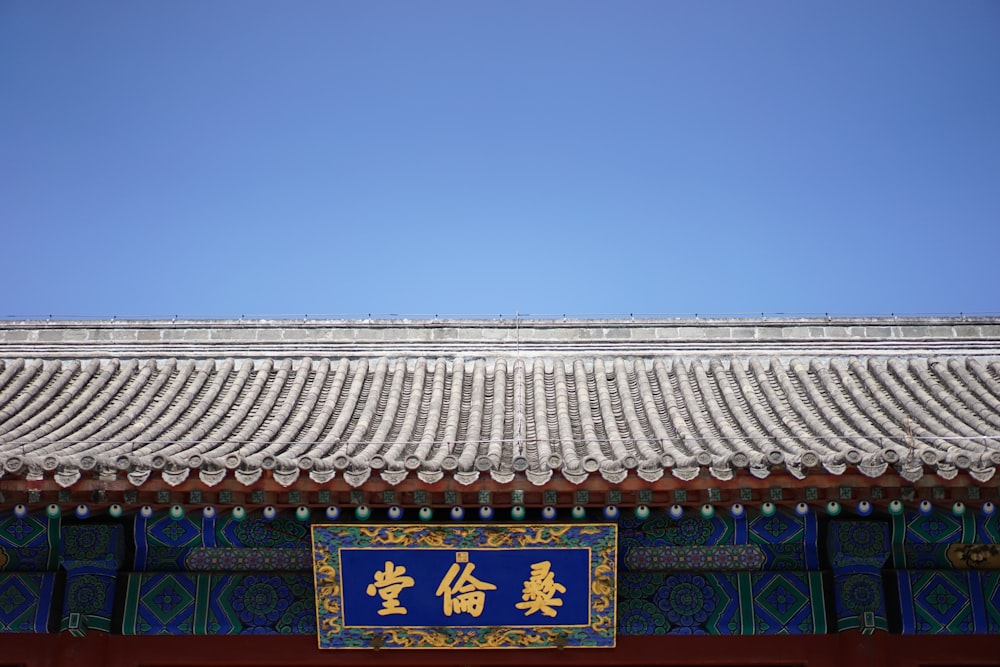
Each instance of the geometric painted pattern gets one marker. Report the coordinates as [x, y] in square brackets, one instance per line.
[920, 541]
[785, 604]
[29, 543]
[721, 603]
[264, 603]
[786, 540]
[988, 528]
[958, 555]
[20, 532]
[162, 533]
[860, 602]
[165, 530]
[991, 600]
[28, 559]
[921, 556]
[857, 545]
[789, 541]
[248, 559]
[679, 604]
[199, 604]
[949, 602]
[25, 601]
[88, 600]
[659, 530]
[234, 559]
[168, 544]
[161, 604]
[735, 596]
[93, 543]
[281, 532]
[92, 555]
[723, 557]
[857, 551]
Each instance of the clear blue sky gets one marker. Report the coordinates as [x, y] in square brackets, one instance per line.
[214, 158]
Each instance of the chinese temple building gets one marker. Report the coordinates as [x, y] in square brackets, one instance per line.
[591, 492]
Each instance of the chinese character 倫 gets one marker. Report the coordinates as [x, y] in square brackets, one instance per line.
[464, 595]
[388, 584]
[539, 592]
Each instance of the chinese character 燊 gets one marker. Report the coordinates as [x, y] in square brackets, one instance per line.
[539, 592]
[464, 595]
[388, 584]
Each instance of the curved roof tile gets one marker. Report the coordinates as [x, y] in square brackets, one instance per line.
[569, 415]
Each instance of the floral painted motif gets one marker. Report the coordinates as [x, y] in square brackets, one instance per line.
[640, 617]
[687, 600]
[87, 542]
[861, 593]
[87, 594]
[723, 603]
[722, 557]
[299, 619]
[261, 600]
[781, 599]
[690, 531]
[863, 539]
[168, 598]
[162, 603]
[230, 559]
[279, 532]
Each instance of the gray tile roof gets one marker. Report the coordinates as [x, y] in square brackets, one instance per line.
[614, 408]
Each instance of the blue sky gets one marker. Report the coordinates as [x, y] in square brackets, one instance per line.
[227, 158]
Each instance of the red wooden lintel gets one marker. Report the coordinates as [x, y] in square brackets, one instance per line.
[845, 649]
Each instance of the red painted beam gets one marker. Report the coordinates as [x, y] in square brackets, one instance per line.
[846, 649]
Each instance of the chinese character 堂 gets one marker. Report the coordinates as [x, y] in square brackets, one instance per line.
[388, 585]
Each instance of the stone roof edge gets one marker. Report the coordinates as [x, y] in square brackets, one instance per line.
[496, 338]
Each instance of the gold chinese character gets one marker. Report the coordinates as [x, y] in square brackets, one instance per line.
[388, 584]
[464, 596]
[539, 592]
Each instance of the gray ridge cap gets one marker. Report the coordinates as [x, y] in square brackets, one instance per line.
[259, 354]
[494, 339]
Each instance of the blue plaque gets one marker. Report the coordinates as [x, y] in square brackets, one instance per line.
[489, 586]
